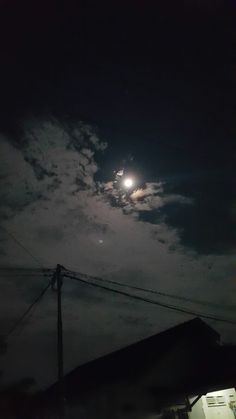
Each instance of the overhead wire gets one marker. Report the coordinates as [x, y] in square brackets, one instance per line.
[22, 246]
[154, 302]
[28, 310]
[88, 281]
[147, 290]
[39, 297]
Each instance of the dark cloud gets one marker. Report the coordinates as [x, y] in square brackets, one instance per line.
[35, 170]
[50, 233]
[60, 210]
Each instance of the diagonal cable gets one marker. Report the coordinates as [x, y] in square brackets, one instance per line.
[22, 246]
[147, 290]
[157, 303]
[28, 310]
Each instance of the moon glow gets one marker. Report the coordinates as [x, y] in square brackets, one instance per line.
[128, 182]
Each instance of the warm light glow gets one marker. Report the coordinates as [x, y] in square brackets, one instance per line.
[128, 182]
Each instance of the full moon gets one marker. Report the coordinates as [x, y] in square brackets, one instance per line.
[128, 182]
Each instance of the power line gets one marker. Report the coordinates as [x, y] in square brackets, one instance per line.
[158, 303]
[22, 246]
[124, 293]
[36, 301]
[147, 290]
[44, 272]
[19, 271]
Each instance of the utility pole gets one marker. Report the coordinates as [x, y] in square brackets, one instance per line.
[60, 363]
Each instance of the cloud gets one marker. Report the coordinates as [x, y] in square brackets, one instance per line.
[49, 180]
[50, 188]
[200, 209]
[52, 203]
[149, 197]
[52, 157]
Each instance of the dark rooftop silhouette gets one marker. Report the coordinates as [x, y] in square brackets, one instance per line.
[130, 361]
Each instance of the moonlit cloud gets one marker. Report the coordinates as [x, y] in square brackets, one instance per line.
[52, 203]
[150, 196]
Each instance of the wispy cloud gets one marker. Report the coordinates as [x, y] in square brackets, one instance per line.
[52, 203]
[141, 198]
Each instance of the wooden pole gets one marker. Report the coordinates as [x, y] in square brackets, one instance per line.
[60, 363]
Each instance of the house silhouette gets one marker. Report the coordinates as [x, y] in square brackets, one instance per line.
[141, 380]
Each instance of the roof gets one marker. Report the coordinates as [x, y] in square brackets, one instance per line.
[127, 361]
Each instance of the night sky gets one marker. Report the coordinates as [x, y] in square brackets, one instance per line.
[90, 94]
